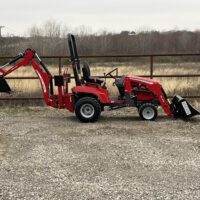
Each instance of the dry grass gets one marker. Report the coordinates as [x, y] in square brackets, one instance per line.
[182, 86]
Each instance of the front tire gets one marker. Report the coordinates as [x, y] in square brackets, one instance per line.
[148, 111]
[87, 109]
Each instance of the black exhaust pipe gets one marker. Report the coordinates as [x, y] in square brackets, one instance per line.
[182, 109]
[4, 87]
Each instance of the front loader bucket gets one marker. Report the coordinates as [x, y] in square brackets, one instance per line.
[182, 109]
[4, 87]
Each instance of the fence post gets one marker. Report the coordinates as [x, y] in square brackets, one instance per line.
[151, 67]
[60, 65]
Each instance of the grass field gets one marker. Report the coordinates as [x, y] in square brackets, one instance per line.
[182, 86]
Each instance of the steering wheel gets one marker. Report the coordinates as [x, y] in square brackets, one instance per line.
[111, 73]
[112, 76]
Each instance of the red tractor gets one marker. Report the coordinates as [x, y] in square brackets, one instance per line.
[89, 96]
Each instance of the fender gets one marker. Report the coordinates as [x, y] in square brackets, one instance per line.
[98, 91]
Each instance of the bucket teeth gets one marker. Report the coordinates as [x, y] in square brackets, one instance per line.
[4, 87]
[182, 109]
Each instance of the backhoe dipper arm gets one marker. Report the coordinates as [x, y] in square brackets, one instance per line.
[45, 77]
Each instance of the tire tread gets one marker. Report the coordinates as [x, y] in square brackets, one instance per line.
[150, 105]
[96, 105]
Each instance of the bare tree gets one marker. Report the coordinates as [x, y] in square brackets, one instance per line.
[50, 39]
[52, 29]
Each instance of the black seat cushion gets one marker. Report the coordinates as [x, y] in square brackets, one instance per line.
[95, 80]
[87, 77]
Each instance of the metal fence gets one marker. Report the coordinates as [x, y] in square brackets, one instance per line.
[151, 69]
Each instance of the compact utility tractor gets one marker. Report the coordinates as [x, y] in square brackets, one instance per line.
[89, 96]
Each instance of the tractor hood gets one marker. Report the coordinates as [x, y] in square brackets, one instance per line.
[182, 109]
[144, 80]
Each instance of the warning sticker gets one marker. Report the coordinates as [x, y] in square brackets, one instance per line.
[186, 108]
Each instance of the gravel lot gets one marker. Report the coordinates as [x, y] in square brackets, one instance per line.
[48, 154]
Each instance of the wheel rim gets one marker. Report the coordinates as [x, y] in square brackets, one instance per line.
[148, 113]
[87, 110]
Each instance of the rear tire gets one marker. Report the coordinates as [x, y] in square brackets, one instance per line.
[148, 111]
[87, 109]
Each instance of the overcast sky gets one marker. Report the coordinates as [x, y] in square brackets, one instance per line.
[113, 15]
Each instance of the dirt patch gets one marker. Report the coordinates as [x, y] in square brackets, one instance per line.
[3, 146]
[119, 157]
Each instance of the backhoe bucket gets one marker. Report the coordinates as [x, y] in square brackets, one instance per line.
[4, 87]
[182, 109]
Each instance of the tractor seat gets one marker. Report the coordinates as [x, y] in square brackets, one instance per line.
[87, 77]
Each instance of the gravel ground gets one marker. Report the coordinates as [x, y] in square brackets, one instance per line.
[48, 154]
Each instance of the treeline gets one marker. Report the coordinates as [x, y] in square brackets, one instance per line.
[51, 39]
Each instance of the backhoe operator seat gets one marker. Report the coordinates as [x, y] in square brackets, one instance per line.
[86, 75]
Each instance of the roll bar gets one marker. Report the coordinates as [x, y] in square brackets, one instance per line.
[74, 58]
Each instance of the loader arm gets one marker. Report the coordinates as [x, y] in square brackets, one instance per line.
[43, 74]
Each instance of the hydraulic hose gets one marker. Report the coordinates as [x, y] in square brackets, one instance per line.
[16, 58]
